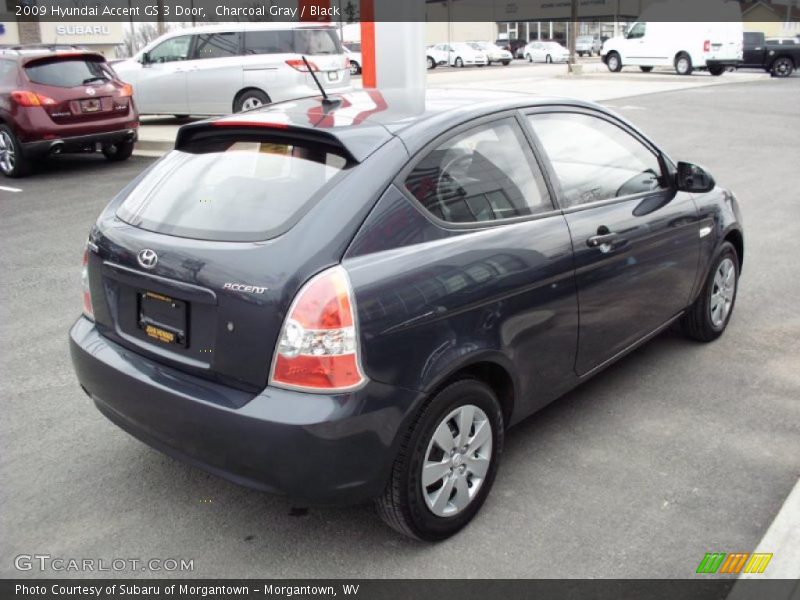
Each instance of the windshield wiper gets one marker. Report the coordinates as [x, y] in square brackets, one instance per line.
[93, 79]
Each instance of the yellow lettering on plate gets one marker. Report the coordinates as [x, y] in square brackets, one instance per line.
[159, 334]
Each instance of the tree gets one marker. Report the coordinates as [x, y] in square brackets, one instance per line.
[137, 36]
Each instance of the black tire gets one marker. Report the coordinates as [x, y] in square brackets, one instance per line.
[458, 62]
[402, 505]
[782, 67]
[355, 68]
[646, 69]
[430, 63]
[529, 57]
[716, 70]
[683, 64]
[548, 59]
[119, 151]
[506, 63]
[12, 164]
[614, 62]
[248, 97]
[697, 323]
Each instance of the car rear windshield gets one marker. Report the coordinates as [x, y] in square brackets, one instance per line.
[232, 190]
[67, 72]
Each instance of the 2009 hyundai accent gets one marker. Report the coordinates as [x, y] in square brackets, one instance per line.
[353, 299]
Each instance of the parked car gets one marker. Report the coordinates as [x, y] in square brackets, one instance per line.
[353, 52]
[515, 46]
[358, 307]
[456, 54]
[685, 46]
[57, 101]
[219, 69]
[493, 53]
[588, 45]
[780, 60]
[547, 52]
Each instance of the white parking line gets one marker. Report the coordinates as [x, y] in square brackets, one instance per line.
[9, 189]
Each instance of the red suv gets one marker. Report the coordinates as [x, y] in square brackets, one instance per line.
[54, 102]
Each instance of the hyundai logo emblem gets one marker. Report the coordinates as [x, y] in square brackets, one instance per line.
[147, 258]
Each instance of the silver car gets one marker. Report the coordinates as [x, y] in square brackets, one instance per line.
[588, 45]
[221, 69]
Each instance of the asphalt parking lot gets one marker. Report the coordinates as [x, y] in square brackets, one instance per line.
[678, 450]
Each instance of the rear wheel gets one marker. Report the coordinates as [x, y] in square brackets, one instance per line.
[459, 63]
[119, 151]
[431, 63]
[782, 67]
[355, 68]
[548, 59]
[12, 163]
[716, 70]
[613, 62]
[249, 100]
[683, 64]
[646, 69]
[708, 317]
[529, 58]
[446, 463]
[506, 63]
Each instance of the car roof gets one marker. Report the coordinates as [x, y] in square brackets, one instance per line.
[260, 26]
[31, 54]
[364, 120]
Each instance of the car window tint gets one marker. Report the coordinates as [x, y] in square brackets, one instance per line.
[217, 45]
[595, 160]
[485, 174]
[67, 72]
[637, 31]
[268, 42]
[176, 48]
[231, 190]
[317, 41]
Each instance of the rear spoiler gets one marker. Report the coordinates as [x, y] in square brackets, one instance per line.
[245, 128]
[56, 56]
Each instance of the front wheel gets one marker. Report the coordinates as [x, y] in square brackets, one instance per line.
[355, 68]
[431, 63]
[119, 151]
[529, 58]
[708, 317]
[459, 63]
[12, 163]
[250, 100]
[506, 63]
[613, 62]
[446, 463]
[783, 67]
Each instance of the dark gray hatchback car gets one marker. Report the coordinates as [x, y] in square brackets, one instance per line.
[354, 300]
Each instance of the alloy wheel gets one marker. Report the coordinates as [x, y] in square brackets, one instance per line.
[251, 103]
[457, 461]
[723, 292]
[8, 157]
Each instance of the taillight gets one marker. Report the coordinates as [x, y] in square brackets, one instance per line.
[126, 91]
[88, 310]
[318, 346]
[299, 65]
[707, 46]
[26, 98]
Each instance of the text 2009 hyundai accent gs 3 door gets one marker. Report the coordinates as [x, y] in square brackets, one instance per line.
[355, 301]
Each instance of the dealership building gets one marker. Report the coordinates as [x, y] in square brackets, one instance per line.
[104, 38]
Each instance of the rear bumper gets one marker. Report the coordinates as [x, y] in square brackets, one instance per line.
[317, 449]
[78, 143]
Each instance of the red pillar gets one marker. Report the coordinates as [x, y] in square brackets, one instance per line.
[368, 71]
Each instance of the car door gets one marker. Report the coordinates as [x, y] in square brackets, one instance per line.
[638, 46]
[754, 48]
[214, 75]
[161, 85]
[635, 238]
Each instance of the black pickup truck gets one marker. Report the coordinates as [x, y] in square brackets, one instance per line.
[780, 60]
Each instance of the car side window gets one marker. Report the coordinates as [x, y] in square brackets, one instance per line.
[637, 31]
[173, 49]
[594, 159]
[268, 42]
[217, 45]
[485, 174]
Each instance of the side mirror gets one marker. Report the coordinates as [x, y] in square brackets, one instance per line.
[691, 178]
[145, 60]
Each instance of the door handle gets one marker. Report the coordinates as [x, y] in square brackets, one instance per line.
[602, 239]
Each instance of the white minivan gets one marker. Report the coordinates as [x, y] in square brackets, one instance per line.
[684, 46]
[220, 69]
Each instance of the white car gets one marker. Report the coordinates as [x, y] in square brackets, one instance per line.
[353, 52]
[494, 53]
[457, 54]
[220, 69]
[547, 52]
